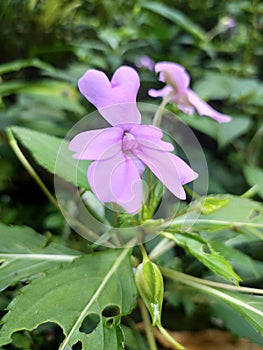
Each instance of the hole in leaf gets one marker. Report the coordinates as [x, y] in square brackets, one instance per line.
[109, 322]
[253, 214]
[206, 249]
[51, 334]
[77, 346]
[111, 311]
[89, 323]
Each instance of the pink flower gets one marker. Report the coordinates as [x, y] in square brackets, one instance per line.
[120, 153]
[145, 62]
[177, 80]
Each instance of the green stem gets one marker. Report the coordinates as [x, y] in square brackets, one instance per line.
[191, 192]
[169, 337]
[211, 291]
[256, 232]
[13, 143]
[144, 253]
[187, 279]
[159, 113]
[148, 326]
[162, 247]
[251, 192]
[229, 224]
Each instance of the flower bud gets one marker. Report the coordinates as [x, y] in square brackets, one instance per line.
[149, 282]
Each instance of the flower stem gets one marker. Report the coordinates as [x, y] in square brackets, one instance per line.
[169, 337]
[162, 247]
[148, 325]
[159, 113]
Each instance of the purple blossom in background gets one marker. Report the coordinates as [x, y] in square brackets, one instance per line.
[120, 153]
[145, 62]
[177, 90]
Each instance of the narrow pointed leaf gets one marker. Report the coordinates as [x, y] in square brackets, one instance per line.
[197, 246]
[176, 17]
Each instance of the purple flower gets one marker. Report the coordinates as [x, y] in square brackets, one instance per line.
[120, 153]
[177, 90]
[145, 62]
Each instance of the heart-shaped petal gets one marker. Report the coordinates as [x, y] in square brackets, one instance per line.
[115, 99]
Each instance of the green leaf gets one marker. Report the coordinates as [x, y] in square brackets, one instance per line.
[236, 212]
[223, 133]
[201, 123]
[197, 246]
[235, 322]
[25, 254]
[58, 94]
[134, 340]
[53, 154]
[72, 293]
[176, 17]
[248, 306]
[216, 86]
[227, 132]
[254, 176]
[20, 64]
[248, 269]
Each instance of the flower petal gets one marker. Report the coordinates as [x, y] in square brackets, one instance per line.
[97, 144]
[115, 100]
[172, 171]
[117, 180]
[204, 109]
[182, 102]
[160, 93]
[95, 86]
[173, 74]
[150, 136]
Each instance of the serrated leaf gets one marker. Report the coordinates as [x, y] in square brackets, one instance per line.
[25, 254]
[67, 295]
[250, 270]
[197, 246]
[237, 213]
[53, 154]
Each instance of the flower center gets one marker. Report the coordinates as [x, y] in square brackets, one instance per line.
[128, 142]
